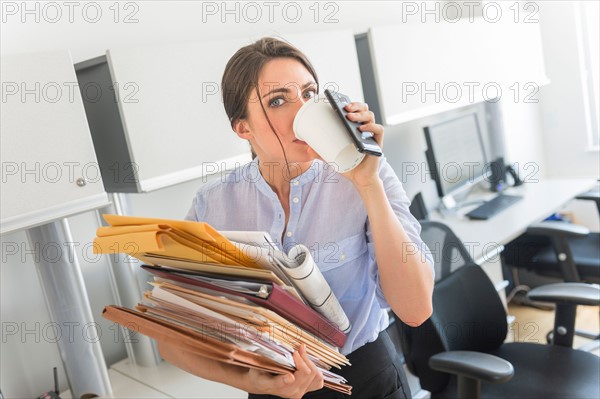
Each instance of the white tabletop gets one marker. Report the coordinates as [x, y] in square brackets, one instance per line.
[540, 200]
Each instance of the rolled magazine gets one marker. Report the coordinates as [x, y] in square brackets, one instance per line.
[298, 269]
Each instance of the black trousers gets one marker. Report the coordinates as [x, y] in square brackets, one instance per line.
[376, 373]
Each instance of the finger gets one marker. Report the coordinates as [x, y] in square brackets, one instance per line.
[316, 380]
[313, 368]
[312, 371]
[302, 374]
[362, 116]
[356, 106]
[302, 369]
[304, 355]
[315, 373]
[317, 383]
[374, 128]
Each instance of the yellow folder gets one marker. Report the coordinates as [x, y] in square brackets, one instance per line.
[173, 238]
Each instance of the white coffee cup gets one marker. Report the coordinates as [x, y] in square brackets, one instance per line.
[319, 126]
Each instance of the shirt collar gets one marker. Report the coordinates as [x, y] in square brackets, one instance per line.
[311, 174]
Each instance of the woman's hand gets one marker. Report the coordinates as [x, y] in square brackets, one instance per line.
[306, 378]
[366, 174]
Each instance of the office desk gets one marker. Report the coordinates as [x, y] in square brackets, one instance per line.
[540, 200]
[485, 239]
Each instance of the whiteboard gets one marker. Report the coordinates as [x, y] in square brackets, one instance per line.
[422, 69]
[45, 143]
[170, 103]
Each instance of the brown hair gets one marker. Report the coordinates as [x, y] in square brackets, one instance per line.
[242, 72]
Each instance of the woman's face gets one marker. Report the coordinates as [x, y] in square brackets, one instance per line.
[285, 85]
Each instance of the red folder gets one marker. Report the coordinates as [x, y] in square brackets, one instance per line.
[278, 300]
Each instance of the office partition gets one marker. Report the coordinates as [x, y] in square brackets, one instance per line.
[414, 70]
[162, 121]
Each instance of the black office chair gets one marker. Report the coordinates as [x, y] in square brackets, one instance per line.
[460, 350]
[560, 250]
[557, 249]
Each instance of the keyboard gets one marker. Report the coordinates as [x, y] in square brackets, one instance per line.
[493, 206]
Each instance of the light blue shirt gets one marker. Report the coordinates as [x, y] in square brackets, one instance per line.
[327, 215]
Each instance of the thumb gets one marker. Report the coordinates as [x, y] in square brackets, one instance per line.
[285, 380]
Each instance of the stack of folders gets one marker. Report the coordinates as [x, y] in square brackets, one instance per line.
[229, 296]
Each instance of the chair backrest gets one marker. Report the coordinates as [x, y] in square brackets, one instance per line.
[467, 311]
[447, 250]
[417, 207]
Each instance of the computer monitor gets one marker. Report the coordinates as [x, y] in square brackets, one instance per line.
[455, 154]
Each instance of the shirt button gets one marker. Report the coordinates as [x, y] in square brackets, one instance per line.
[343, 257]
[289, 234]
[295, 182]
[295, 200]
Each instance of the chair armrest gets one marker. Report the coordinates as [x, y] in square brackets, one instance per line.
[572, 293]
[592, 195]
[474, 365]
[557, 229]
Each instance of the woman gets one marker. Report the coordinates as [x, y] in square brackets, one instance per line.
[357, 225]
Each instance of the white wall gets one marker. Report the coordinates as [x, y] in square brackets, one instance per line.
[565, 139]
[26, 362]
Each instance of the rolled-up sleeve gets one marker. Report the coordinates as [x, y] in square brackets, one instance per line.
[400, 205]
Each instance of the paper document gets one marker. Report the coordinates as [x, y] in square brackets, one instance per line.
[232, 298]
[297, 268]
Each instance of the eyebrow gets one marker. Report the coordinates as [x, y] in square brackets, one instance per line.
[286, 90]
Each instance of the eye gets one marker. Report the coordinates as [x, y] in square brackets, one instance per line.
[276, 102]
[310, 93]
